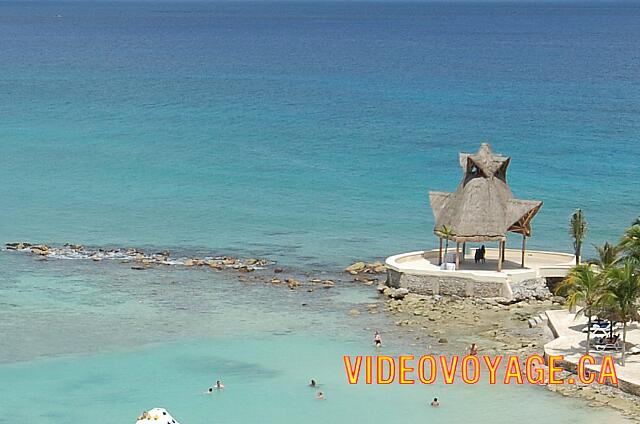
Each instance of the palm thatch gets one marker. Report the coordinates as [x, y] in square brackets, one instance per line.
[483, 207]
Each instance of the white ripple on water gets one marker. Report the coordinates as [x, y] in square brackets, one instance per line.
[77, 252]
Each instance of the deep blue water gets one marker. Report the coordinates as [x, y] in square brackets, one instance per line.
[309, 130]
[306, 132]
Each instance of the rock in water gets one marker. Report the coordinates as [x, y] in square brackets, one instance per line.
[378, 267]
[292, 283]
[157, 416]
[356, 268]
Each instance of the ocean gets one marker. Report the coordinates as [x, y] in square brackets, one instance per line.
[308, 133]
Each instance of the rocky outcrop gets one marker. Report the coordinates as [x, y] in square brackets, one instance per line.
[535, 288]
[249, 270]
[17, 246]
[140, 259]
[496, 327]
[598, 395]
[399, 293]
[292, 283]
[366, 268]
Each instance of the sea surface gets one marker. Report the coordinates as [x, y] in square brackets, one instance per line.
[306, 132]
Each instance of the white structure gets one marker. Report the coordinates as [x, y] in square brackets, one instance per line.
[420, 273]
[156, 416]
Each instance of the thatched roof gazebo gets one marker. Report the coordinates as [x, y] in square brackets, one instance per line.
[482, 208]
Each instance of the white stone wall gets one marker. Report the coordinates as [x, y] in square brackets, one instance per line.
[467, 287]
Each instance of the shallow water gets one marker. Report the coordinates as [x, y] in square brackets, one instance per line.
[265, 379]
[84, 339]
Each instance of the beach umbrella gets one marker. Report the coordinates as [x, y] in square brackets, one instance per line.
[157, 416]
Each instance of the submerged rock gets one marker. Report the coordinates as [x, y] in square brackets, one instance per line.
[292, 283]
[245, 268]
[327, 284]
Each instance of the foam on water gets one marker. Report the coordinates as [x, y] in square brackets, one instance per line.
[79, 252]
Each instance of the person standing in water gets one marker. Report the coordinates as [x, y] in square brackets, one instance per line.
[219, 385]
[435, 403]
[313, 383]
[377, 339]
[320, 396]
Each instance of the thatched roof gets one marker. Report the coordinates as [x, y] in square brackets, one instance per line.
[483, 207]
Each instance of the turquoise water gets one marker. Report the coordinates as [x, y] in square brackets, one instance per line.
[79, 345]
[264, 382]
[308, 133]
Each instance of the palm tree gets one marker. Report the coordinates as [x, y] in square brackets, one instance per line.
[630, 242]
[608, 256]
[624, 284]
[578, 230]
[447, 233]
[583, 286]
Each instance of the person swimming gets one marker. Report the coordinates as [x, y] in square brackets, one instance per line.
[435, 403]
[377, 339]
[320, 396]
[313, 383]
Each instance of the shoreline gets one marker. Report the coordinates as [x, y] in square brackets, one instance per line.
[497, 329]
[446, 324]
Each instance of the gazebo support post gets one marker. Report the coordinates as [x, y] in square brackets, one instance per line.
[500, 257]
[440, 254]
[524, 246]
[464, 249]
[457, 255]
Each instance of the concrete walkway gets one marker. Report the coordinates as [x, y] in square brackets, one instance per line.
[538, 264]
[571, 343]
